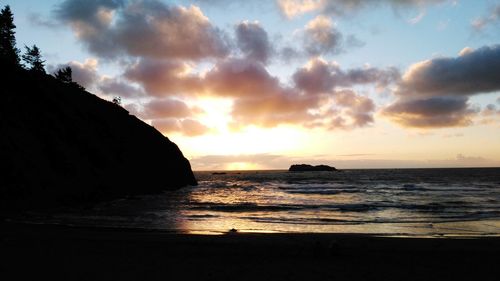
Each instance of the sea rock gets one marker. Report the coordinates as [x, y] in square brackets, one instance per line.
[310, 168]
[61, 145]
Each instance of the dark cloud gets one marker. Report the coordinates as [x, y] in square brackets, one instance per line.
[490, 110]
[493, 18]
[143, 28]
[472, 72]
[320, 76]
[433, 112]
[253, 41]
[91, 21]
[289, 54]
[316, 77]
[434, 93]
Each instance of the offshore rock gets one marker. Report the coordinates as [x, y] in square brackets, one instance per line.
[310, 168]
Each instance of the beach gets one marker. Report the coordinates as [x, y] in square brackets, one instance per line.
[31, 252]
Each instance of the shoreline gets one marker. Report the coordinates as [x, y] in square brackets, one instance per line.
[133, 254]
[6, 222]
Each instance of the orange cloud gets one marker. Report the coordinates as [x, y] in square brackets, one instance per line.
[163, 77]
[240, 77]
[188, 127]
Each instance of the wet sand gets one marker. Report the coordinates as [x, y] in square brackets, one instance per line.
[33, 252]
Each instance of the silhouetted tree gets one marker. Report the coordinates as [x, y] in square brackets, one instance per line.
[64, 75]
[9, 54]
[33, 59]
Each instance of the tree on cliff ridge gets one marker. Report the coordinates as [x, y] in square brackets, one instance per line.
[33, 59]
[64, 75]
[9, 54]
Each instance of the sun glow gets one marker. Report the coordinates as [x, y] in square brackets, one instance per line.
[216, 112]
[242, 166]
[223, 140]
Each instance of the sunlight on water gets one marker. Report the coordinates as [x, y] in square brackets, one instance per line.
[433, 202]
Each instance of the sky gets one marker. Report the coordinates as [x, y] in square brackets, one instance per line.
[266, 84]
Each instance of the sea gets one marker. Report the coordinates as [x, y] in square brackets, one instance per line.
[386, 202]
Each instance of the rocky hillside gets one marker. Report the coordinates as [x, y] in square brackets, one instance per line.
[60, 145]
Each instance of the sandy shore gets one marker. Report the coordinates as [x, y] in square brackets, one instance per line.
[33, 252]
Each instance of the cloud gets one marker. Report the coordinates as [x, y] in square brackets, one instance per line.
[320, 76]
[253, 41]
[163, 77]
[273, 161]
[283, 107]
[37, 20]
[90, 20]
[258, 98]
[118, 87]
[220, 162]
[493, 18]
[435, 93]
[470, 159]
[490, 110]
[84, 74]
[472, 72]
[289, 54]
[143, 28]
[165, 108]
[191, 127]
[359, 109]
[240, 77]
[293, 8]
[321, 37]
[433, 112]
[169, 115]
[188, 127]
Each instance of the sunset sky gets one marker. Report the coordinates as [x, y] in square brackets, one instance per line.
[265, 84]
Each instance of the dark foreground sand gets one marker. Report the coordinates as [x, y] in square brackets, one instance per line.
[40, 252]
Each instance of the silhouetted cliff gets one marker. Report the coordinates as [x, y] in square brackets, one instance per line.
[60, 145]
